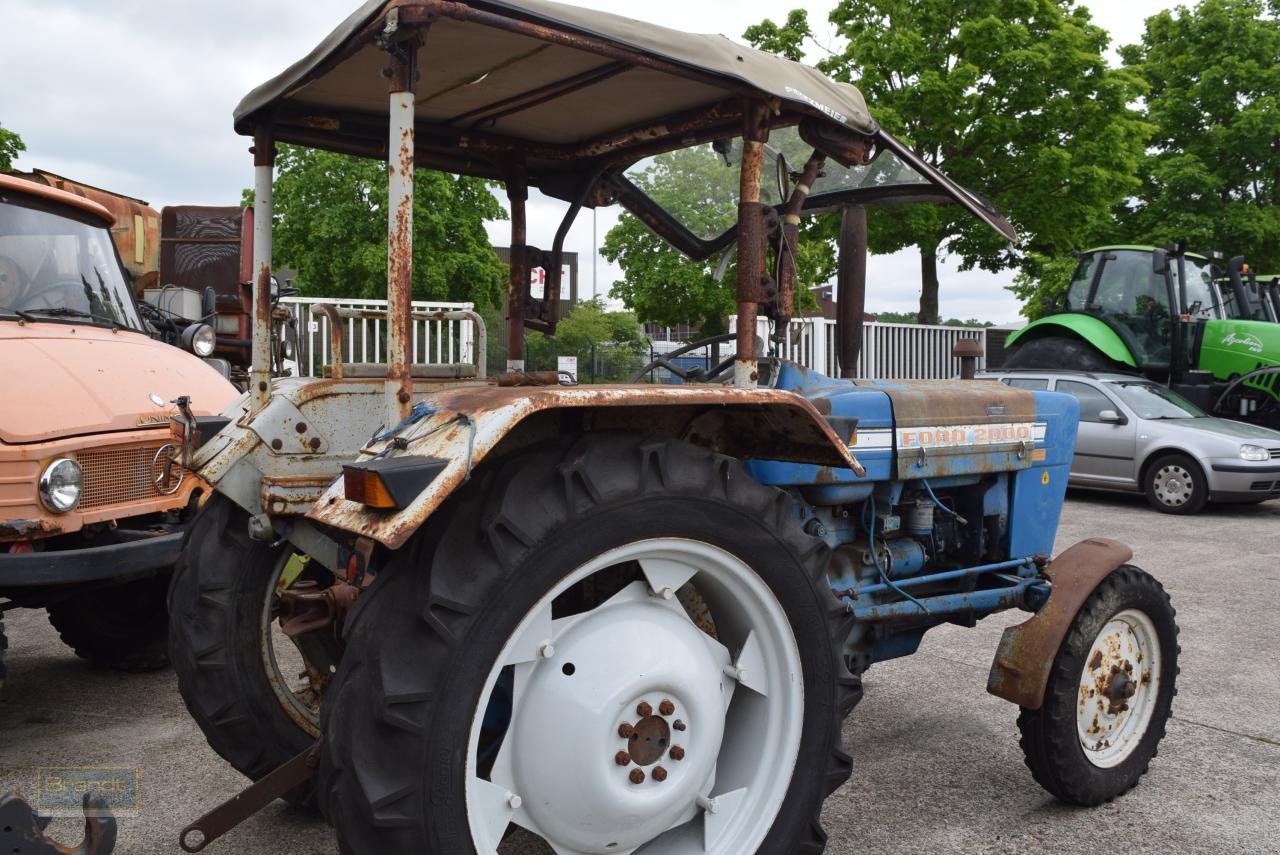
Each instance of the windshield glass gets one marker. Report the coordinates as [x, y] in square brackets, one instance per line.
[699, 185]
[55, 263]
[1150, 401]
[1200, 299]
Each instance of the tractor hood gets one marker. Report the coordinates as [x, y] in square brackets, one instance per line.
[61, 380]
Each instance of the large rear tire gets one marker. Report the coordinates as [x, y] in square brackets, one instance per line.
[1062, 352]
[239, 677]
[539, 652]
[122, 627]
[1109, 694]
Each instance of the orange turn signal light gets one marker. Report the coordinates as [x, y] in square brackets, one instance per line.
[389, 483]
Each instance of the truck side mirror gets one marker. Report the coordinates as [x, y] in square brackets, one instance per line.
[1159, 262]
[1111, 417]
[208, 302]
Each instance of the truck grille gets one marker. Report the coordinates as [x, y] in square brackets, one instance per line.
[118, 475]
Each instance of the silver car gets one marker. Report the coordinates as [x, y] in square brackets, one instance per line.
[1140, 436]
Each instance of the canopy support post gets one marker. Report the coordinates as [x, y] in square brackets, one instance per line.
[264, 160]
[518, 283]
[851, 286]
[751, 252]
[401, 74]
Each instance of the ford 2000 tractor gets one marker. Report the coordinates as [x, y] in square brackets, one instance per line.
[625, 619]
[1169, 315]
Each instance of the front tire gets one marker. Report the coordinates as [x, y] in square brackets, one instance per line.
[122, 627]
[241, 679]
[1109, 694]
[1175, 484]
[534, 656]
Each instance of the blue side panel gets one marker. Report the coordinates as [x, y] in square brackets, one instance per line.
[840, 399]
[1038, 492]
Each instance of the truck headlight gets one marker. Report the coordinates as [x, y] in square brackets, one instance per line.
[199, 339]
[61, 484]
[1254, 452]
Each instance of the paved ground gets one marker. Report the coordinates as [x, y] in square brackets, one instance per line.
[938, 767]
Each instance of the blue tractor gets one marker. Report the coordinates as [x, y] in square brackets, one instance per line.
[625, 619]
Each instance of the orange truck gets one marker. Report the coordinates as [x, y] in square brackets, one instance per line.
[91, 515]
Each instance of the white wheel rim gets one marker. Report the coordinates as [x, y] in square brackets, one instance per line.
[1119, 686]
[741, 707]
[1173, 485]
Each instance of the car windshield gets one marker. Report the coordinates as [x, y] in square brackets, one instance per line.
[1150, 401]
[699, 185]
[56, 264]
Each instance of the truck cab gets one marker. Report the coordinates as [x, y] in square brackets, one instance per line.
[88, 502]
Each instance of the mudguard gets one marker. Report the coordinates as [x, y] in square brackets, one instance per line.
[1088, 328]
[1020, 670]
[465, 425]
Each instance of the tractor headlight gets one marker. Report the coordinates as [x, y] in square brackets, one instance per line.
[199, 339]
[1254, 452]
[61, 484]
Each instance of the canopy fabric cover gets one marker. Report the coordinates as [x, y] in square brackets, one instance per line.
[471, 72]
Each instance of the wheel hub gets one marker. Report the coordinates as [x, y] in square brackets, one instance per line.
[1118, 688]
[591, 748]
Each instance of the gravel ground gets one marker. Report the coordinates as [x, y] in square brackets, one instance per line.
[937, 766]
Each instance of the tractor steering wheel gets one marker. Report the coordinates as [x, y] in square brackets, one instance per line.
[696, 375]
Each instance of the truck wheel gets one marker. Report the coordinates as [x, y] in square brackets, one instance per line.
[1109, 693]
[1175, 484]
[246, 685]
[122, 627]
[628, 643]
[1058, 351]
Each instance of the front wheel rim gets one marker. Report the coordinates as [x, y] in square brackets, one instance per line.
[1119, 688]
[631, 727]
[1173, 485]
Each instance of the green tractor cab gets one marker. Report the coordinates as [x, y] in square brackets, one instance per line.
[1170, 315]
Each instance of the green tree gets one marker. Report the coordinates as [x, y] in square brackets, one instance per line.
[663, 286]
[331, 226]
[591, 333]
[1012, 98]
[1041, 282]
[914, 318]
[1212, 175]
[10, 146]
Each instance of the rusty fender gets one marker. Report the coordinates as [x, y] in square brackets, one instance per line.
[470, 423]
[1020, 670]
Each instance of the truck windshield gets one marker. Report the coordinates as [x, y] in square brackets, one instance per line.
[1150, 401]
[58, 265]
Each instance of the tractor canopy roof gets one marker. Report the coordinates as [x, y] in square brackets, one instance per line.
[572, 97]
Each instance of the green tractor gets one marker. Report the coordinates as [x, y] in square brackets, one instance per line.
[1172, 316]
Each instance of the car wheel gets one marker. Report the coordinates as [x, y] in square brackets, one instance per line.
[1175, 484]
[624, 644]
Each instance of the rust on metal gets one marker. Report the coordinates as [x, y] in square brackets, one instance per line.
[528, 378]
[518, 282]
[23, 529]
[226, 816]
[791, 242]
[401, 72]
[751, 249]
[1020, 670]
[968, 351]
[851, 288]
[22, 830]
[648, 743]
[471, 421]
[264, 158]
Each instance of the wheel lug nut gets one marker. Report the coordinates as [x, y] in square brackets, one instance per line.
[546, 650]
[622, 758]
[625, 730]
[637, 776]
[644, 710]
[677, 753]
[659, 774]
[679, 725]
[666, 707]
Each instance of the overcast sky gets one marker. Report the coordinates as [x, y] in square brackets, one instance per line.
[136, 97]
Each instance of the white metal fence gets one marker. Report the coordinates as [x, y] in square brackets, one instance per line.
[433, 342]
[889, 351]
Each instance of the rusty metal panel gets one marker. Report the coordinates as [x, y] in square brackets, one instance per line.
[1020, 670]
[202, 247]
[466, 424]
